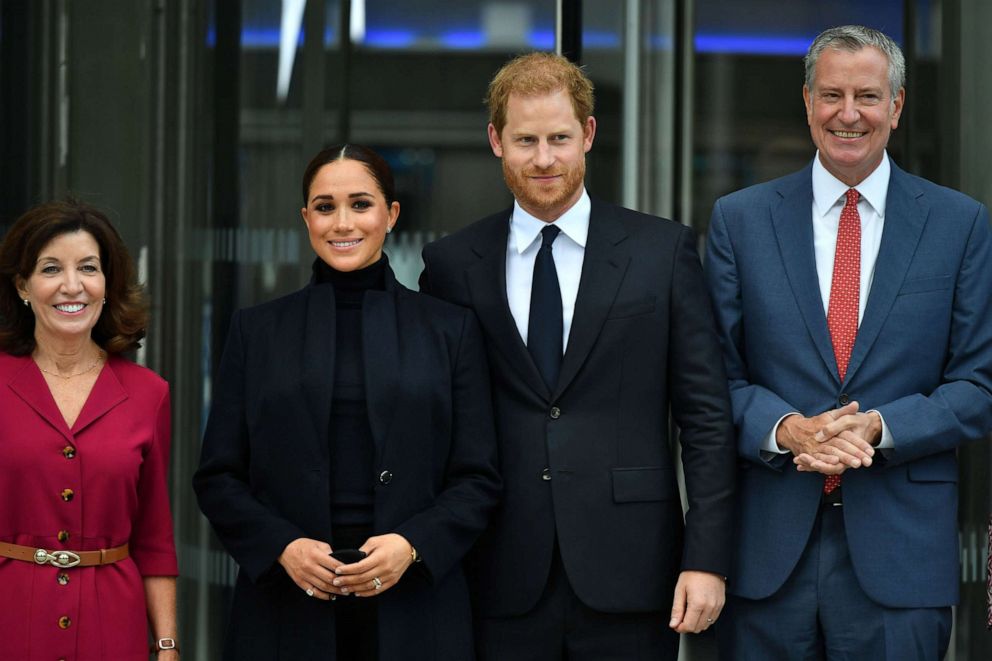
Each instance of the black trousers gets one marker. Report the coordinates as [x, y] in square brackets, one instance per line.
[561, 627]
[355, 618]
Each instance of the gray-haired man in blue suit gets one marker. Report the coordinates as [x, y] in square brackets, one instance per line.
[855, 309]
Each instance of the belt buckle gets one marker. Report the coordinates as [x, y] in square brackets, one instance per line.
[62, 559]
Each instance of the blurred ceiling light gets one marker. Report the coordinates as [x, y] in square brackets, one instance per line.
[289, 36]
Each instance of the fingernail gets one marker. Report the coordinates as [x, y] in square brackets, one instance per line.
[337, 582]
[333, 597]
[673, 622]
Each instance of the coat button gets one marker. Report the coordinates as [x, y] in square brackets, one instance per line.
[555, 413]
[844, 399]
[65, 622]
[68, 452]
[63, 536]
[62, 578]
[67, 494]
[546, 475]
[385, 477]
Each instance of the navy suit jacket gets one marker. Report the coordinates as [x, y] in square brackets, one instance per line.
[589, 464]
[922, 358]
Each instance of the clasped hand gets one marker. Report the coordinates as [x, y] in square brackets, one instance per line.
[310, 565]
[831, 442]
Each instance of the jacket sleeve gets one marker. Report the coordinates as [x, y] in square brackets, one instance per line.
[443, 533]
[251, 531]
[960, 408]
[700, 405]
[756, 409]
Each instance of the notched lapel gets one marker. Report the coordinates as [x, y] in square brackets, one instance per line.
[603, 267]
[793, 223]
[487, 287]
[317, 360]
[906, 213]
[381, 356]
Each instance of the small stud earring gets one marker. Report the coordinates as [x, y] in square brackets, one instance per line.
[27, 304]
[389, 230]
[104, 300]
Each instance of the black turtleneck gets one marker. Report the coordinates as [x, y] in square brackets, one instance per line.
[352, 451]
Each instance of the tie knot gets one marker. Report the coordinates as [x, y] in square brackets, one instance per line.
[549, 234]
[853, 196]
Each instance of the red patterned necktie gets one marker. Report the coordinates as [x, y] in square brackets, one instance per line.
[845, 291]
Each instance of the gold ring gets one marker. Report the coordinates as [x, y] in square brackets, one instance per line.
[376, 583]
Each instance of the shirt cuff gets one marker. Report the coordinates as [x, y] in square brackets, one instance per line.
[769, 448]
[886, 442]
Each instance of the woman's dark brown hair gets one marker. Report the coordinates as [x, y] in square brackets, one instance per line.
[375, 164]
[125, 314]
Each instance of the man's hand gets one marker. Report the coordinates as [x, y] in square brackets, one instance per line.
[699, 598]
[830, 455]
[852, 434]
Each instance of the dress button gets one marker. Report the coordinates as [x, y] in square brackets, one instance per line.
[65, 622]
[844, 399]
[62, 578]
[385, 477]
[546, 475]
[63, 536]
[68, 452]
[555, 413]
[67, 494]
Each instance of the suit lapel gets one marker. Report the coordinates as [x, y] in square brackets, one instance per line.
[487, 286]
[603, 268]
[905, 215]
[793, 222]
[316, 360]
[381, 356]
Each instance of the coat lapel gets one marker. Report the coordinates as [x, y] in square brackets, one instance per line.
[487, 286]
[906, 213]
[603, 268]
[793, 222]
[316, 360]
[381, 356]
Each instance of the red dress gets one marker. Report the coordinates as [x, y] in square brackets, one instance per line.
[97, 485]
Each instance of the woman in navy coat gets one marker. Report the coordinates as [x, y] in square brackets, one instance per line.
[352, 414]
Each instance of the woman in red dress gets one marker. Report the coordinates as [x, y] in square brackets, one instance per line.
[87, 560]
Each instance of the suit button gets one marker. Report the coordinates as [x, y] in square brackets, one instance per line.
[844, 399]
[63, 536]
[67, 494]
[385, 477]
[65, 622]
[546, 475]
[555, 413]
[62, 578]
[68, 452]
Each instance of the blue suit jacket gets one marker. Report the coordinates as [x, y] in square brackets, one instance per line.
[922, 358]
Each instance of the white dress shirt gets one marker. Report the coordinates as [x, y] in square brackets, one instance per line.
[568, 251]
[828, 202]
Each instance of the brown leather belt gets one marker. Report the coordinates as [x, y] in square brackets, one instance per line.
[63, 559]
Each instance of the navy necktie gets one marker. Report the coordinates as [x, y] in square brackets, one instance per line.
[544, 330]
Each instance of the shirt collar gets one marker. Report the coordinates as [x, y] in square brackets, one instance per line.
[828, 189]
[574, 223]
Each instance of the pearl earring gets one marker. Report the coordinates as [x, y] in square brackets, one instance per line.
[104, 300]
[388, 230]
[27, 304]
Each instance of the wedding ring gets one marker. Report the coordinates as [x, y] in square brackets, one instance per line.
[709, 620]
[376, 583]
[309, 592]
